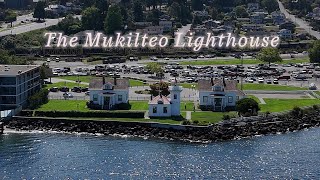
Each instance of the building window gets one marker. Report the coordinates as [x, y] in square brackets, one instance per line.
[154, 110]
[95, 97]
[205, 99]
[238, 98]
[120, 98]
[230, 99]
[165, 110]
[175, 96]
[217, 88]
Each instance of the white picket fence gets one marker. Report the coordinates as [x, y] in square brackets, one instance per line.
[10, 113]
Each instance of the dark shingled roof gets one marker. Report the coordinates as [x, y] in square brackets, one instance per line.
[230, 85]
[97, 83]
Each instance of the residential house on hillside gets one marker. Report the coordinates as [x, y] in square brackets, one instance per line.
[219, 94]
[153, 30]
[285, 34]
[278, 17]
[56, 10]
[252, 7]
[288, 25]
[16, 4]
[107, 93]
[211, 23]
[252, 27]
[257, 18]
[167, 25]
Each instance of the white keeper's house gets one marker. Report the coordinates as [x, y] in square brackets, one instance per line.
[105, 93]
[219, 94]
[162, 106]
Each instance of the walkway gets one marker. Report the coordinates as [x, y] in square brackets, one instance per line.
[188, 115]
[261, 100]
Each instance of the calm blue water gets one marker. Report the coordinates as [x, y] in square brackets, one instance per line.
[61, 156]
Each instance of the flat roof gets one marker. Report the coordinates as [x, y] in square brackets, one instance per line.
[13, 70]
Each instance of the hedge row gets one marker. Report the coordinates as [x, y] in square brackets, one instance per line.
[93, 114]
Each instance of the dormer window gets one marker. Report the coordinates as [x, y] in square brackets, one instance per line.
[108, 86]
[217, 88]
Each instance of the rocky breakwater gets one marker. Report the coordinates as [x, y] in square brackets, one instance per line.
[297, 119]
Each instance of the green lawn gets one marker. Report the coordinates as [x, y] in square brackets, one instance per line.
[85, 79]
[143, 105]
[188, 85]
[75, 105]
[278, 105]
[136, 83]
[270, 87]
[67, 84]
[235, 62]
[206, 117]
[72, 105]
[253, 97]
[139, 105]
[64, 105]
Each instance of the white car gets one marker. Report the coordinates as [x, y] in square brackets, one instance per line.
[67, 95]
[260, 80]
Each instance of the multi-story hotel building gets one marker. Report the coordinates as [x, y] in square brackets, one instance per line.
[17, 84]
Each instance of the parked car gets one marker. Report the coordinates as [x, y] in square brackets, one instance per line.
[275, 81]
[67, 95]
[54, 89]
[269, 81]
[260, 80]
[64, 89]
[76, 89]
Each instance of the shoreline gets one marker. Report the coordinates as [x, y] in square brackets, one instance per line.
[226, 130]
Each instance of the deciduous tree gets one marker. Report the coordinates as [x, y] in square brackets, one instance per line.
[314, 52]
[269, 55]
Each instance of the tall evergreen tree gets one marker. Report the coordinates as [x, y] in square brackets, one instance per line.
[39, 11]
[138, 11]
[113, 21]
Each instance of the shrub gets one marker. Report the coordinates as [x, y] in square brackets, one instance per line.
[296, 112]
[247, 105]
[226, 117]
[195, 122]
[38, 99]
[122, 106]
[26, 113]
[92, 114]
[186, 122]
[315, 107]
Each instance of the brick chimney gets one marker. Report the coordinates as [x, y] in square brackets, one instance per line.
[115, 80]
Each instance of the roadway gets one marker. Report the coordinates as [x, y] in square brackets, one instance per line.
[298, 21]
[19, 28]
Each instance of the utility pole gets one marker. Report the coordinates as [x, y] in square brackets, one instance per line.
[241, 67]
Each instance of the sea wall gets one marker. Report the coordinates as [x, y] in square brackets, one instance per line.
[226, 130]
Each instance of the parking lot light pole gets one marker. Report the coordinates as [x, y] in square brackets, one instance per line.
[241, 76]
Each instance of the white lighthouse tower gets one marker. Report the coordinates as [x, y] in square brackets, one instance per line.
[175, 97]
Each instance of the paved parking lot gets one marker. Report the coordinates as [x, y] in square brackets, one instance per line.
[301, 75]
